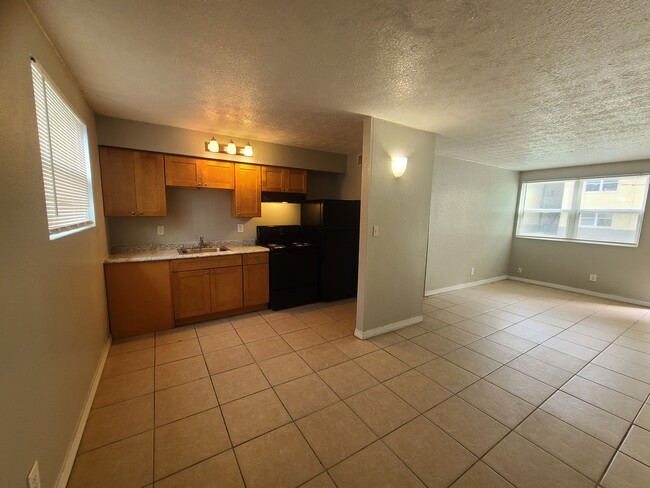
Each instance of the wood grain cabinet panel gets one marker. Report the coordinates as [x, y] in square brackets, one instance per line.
[272, 178]
[181, 171]
[296, 180]
[139, 297]
[226, 289]
[218, 174]
[284, 179]
[247, 197]
[256, 284]
[198, 173]
[133, 183]
[192, 293]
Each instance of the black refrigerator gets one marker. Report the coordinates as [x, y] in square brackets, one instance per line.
[333, 226]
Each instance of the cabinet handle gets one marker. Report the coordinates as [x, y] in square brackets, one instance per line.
[205, 184]
[207, 272]
[132, 213]
[141, 213]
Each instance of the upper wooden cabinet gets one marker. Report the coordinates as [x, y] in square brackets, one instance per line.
[199, 173]
[247, 197]
[133, 183]
[284, 179]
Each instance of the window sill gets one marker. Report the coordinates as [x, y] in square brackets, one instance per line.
[578, 241]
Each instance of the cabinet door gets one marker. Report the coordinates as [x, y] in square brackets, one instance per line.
[118, 182]
[139, 298]
[191, 293]
[180, 171]
[150, 184]
[256, 284]
[218, 174]
[272, 179]
[296, 180]
[247, 197]
[226, 288]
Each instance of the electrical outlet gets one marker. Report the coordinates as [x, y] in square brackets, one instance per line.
[240, 227]
[34, 477]
[520, 270]
[471, 271]
[593, 277]
[161, 230]
[375, 231]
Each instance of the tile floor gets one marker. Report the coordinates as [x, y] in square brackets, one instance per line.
[502, 385]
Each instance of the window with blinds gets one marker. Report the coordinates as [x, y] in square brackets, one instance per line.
[64, 156]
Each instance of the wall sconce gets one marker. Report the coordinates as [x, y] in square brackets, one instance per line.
[230, 148]
[399, 166]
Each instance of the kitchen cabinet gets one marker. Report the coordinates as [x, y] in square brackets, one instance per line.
[139, 298]
[198, 173]
[247, 197]
[289, 180]
[203, 286]
[133, 183]
[256, 278]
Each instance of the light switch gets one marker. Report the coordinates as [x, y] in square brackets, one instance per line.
[161, 230]
[375, 231]
[240, 227]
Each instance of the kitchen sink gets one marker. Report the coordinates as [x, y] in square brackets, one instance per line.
[199, 250]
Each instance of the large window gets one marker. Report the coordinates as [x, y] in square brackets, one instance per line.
[64, 156]
[607, 210]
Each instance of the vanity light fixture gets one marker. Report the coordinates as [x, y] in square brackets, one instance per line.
[231, 148]
[213, 145]
[399, 166]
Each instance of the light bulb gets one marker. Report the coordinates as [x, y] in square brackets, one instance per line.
[231, 149]
[248, 150]
[213, 145]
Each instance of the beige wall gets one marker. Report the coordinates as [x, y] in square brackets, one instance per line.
[53, 318]
[351, 186]
[173, 140]
[192, 213]
[473, 208]
[622, 271]
[392, 266]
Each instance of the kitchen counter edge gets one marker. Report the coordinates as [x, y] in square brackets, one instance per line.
[169, 254]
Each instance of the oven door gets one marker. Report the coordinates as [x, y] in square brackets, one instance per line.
[292, 268]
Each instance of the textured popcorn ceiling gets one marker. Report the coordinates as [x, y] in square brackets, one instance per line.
[520, 84]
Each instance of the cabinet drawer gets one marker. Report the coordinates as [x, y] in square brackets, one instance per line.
[256, 258]
[205, 263]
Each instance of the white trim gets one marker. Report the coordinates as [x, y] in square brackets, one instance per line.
[68, 461]
[464, 285]
[388, 327]
[583, 291]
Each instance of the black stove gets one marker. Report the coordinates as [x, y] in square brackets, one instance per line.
[293, 266]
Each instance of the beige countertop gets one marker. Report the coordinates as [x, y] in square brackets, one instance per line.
[165, 254]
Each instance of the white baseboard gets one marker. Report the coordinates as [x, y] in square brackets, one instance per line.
[70, 456]
[464, 285]
[367, 334]
[583, 291]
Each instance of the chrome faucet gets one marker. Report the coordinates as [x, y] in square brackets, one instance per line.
[202, 242]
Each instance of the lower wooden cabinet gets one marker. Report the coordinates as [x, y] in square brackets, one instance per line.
[191, 293]
[226, 289]
[139, 298]
[256, 279]
[150, 296]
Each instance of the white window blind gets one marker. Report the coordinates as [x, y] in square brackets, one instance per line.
[64, 156]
